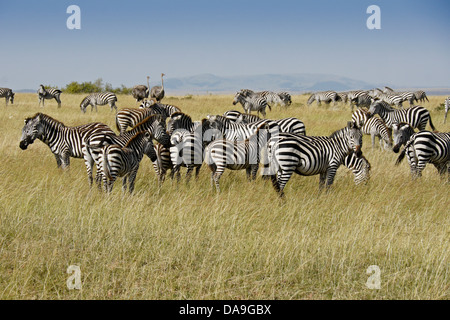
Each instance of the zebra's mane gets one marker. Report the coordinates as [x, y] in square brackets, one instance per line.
[182, 114]
[47, 118]
[135, 137]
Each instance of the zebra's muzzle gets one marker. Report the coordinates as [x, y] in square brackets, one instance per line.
[23, 144]
[358, 151]
[396, 148]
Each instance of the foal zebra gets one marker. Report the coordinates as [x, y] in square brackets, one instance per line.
[8, 94]
[252, 102]
[416, 116]
[375, 127]
[236, 155]
[123, 161]
[325, 96]
[306, 156]
[50, 93]
[427, 147]
[100, 99]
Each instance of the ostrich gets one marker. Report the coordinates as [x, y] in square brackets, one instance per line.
[157, 92]
[140, 92]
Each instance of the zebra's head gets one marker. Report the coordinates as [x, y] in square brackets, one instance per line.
[360, 168]
[401, 133]
[354, 138]
[84, 104]
[375, 107]
[311, 99]
[149, 148]
[32, 130]
[239, 97]
[158, 130]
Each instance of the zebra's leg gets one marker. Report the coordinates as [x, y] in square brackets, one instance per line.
[248, 172]
[132, 179]
[216, 178]
[330, 174]
[372, 136]
[58, 101]
[65, 158]
[283, 178]
[254, 171]
[58, 160]
[124, 183]
[197, 171]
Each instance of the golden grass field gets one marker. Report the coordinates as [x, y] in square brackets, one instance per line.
[188, 242]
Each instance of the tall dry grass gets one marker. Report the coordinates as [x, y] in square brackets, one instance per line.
[187, 242]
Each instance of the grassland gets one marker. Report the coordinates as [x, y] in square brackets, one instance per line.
[187, 242]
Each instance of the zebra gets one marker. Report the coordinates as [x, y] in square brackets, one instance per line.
[360, 167]
[416, 116]
[427, 147]
[162, 163]
[8, 94]
[421, 96]
[401, 133]
[123, 161]
[165, 109]
[96, 141]
[180, 120]
[290, 125]
[224, 154]
[447, 107]
[286, 99]
[362, 100]
[234, 115]
[63, 141]
[325, 96]
[130, 117]
[306, 156]
[252, 102]
[390, 98]
[375, 127]
[100, 99]
[50, 93]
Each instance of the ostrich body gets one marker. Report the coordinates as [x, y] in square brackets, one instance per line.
[157, 92]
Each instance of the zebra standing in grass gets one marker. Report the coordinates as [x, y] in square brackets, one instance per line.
[416, 116]
[323, 96]
[427, 147]
[389, 98]
[290, 125]
[362, 100]
[375, 127]
[286, 99]
[236, 155]
[130, 117]
[408, 95]
[8, 94]
[162, 163]
[100, 99]
[421, 96]
[447, 107]
[63, 141]
[252, 102]
[308, 156]
[94, 142]
[50, 93]
[123, 161]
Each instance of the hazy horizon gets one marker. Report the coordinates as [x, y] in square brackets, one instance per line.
[123, 42]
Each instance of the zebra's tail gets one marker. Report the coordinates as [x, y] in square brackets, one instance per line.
[106, 165]
[401, 156]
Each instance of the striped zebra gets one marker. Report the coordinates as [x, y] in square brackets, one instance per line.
[152, 124]
[427, 147]
[165, 109]
[163, 163]
[421, 96]
[286, 99]
[180, 120]
[447, 107]
[361, 101]
[234, 115]
[401, 133]
[390, 98]
[373, 126]
[236, 155]
[50, 93]
[123, 161]
[130, 117]
[323, 96]
[306, 156]
[100, 99]
[8, 94]
[252, 102]
[290, 125]
[63, 141]
[416, 116]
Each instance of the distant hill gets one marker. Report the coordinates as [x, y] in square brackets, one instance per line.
[294, 83]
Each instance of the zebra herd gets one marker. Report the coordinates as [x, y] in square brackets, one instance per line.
[237, 141]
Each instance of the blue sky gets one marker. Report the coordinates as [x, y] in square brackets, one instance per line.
[124, 41]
